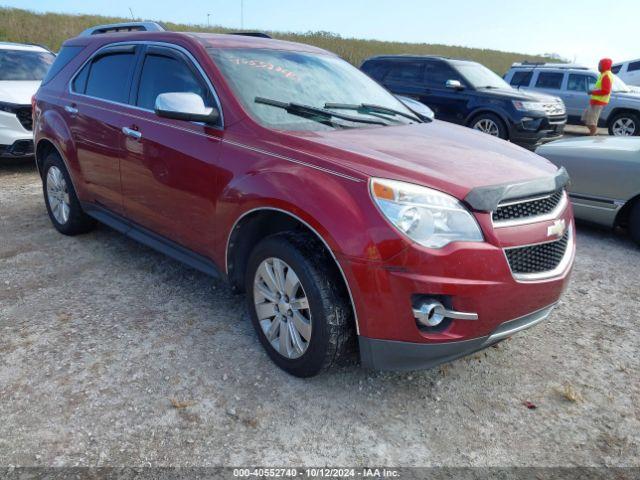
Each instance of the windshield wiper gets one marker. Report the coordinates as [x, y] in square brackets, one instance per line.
[370, 108]
[310, 112]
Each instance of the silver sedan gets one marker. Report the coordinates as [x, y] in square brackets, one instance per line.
[605, 178]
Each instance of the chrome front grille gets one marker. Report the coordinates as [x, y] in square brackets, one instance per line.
[540, 258]
[556, 108]
[528, 208]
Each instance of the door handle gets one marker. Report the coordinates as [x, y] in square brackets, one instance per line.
[129, 132]
[70, 109]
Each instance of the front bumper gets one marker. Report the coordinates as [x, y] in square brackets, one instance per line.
[399, 356]
[471, 277]
[532, 132]
[15, 140]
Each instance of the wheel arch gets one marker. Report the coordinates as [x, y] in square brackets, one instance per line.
[622, 217]
[482, 110]
[621, 110]
[257, 223]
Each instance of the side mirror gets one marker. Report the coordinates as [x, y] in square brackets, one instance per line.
[419, 108]
[454, 85]
[185, 106]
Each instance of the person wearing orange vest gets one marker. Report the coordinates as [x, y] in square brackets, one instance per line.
[600, 96]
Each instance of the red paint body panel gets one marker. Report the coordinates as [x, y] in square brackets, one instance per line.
[191, 183]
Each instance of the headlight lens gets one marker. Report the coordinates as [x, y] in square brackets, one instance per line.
[428, 217]
[529, 106]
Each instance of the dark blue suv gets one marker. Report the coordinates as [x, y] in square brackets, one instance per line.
[468, 93]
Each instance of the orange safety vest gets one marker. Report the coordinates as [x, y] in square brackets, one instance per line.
[602, 98]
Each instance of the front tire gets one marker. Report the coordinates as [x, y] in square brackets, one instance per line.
[624, 124]
[298, 305]
[490, 124]
[61, 200]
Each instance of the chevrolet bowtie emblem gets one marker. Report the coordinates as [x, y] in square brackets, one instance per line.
[557, 229]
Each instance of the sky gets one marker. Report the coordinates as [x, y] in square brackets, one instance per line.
[583, 31]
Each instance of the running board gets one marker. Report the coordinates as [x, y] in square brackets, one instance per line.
[152, 240]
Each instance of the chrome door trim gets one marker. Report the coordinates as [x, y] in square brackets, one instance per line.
[335, 259]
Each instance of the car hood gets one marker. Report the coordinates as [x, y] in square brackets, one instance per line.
[580, 146]
[439, 155]
[627, 97]
[18, 91]
[515, 94]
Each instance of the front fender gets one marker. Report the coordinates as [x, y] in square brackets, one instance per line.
[340, 210]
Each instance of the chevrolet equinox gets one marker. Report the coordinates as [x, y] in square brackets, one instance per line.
[351, 224]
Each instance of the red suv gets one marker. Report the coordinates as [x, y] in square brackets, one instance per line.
[351, 223]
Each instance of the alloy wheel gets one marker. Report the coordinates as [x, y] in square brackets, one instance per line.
[624, 127]
[486, 125]
[282, 308]
[58, 195]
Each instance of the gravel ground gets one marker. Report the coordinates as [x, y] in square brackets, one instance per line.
[115, 355]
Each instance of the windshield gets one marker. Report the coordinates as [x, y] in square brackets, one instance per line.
[480, 76]
[313, 80]
[24, 65]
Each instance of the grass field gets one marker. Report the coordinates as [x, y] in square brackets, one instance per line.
[51, 29]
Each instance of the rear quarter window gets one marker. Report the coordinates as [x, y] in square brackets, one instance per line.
[63, 58]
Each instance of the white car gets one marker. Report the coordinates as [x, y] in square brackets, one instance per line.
[628, 71]
[22, 68]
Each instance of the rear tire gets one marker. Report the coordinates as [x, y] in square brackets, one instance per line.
[634, 222]
[61, 200]
[624, 124]
[287, 272]
[491, 124]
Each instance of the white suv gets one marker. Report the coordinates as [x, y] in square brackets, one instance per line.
[628, 71]
[22, 68]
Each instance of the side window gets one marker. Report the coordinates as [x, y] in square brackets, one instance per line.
[633, 66]
[163, 74]
[406, 72]
[521, 78]
[108, 76]
[591, 83]
[578, 83]
[551, 80]
[616, 68]
[437, 74]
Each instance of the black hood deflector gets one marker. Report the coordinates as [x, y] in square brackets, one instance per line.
[486, 199]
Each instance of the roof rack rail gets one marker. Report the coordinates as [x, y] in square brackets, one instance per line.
[561, 66]
[251, 34]
[123, 27]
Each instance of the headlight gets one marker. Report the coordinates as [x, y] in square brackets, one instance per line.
[428, 217]
[529, 106]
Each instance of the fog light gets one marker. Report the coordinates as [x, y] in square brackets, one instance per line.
[430, 314]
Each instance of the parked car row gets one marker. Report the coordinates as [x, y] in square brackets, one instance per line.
[572, 83]
[350, 217]
[468, 93]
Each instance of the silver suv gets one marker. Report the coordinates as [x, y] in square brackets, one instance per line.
[572, 84]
